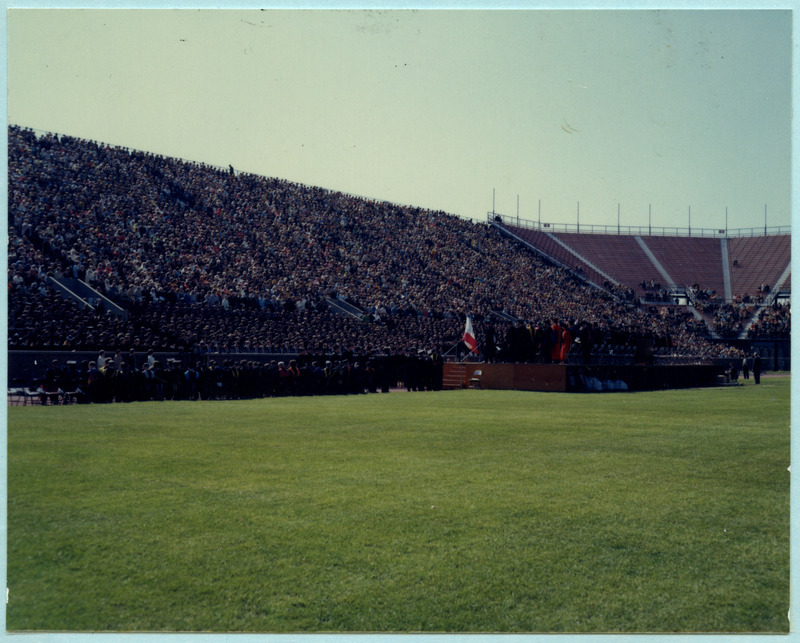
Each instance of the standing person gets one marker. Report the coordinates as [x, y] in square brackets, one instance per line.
[107, 375]
[144, 383]
[124, 383]
[757, 368]
[566, 343]
[438, 370]
[411, 371]
[392, 365]
[294, 377]
[191, 381]
[532, 342]
[489, 345]
[284, 379]
[524, 342]
[159, 381]
[92, 379]
[746, 368]
[555, 341]
[543, 342]
[586, 337]
[53, 380]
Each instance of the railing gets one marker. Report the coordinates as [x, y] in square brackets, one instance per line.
[641, 231]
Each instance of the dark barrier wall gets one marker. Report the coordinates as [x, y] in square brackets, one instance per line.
[641, 378]
[580, 378]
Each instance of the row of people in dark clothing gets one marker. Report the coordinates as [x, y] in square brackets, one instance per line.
[753, 363]
[237, 379]
[570, 341]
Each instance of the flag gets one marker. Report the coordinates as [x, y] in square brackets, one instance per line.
[469, 337]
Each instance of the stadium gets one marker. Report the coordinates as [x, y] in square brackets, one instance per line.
[204, 344]
[128, 253]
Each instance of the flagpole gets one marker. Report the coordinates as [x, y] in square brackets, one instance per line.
[449, 350]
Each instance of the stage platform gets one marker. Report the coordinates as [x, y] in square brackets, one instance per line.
[580, 378]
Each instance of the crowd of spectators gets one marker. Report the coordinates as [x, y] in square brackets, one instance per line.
[730, 318]
[655, 292]
[700, 294]
[210, 260]
[755, 315]
[772, 322]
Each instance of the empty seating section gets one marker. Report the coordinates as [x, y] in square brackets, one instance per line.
[752, 261]
[618, 256]
[553, 249]
[690, 260]
[755, 261]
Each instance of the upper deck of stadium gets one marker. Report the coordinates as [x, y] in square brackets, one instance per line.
[731, 264]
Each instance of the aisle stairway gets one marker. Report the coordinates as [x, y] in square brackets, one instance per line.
[455, 375]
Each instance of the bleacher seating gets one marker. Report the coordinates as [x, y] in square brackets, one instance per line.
[694, 265]
[755, 261]
[620, 256]
[690, 260]
[547, 244]
[752, 261]
[196, 254]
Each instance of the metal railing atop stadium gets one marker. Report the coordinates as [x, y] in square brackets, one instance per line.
[642, 231]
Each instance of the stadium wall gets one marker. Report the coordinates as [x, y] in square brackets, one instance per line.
[579, 378]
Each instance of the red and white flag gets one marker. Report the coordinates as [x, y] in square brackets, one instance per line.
[469, 337]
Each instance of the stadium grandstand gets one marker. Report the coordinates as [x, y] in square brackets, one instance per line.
[248, 285]
[738, 286]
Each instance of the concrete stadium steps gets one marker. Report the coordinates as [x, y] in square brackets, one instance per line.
[760, 260]
[455, 376]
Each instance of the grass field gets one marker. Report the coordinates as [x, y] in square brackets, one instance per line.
[463, 511]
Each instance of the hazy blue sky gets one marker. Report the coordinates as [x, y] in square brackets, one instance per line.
[612, 109]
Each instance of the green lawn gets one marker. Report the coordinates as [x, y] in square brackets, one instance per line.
[464, 511]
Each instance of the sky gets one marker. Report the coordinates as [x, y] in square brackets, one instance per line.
[639, 117]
